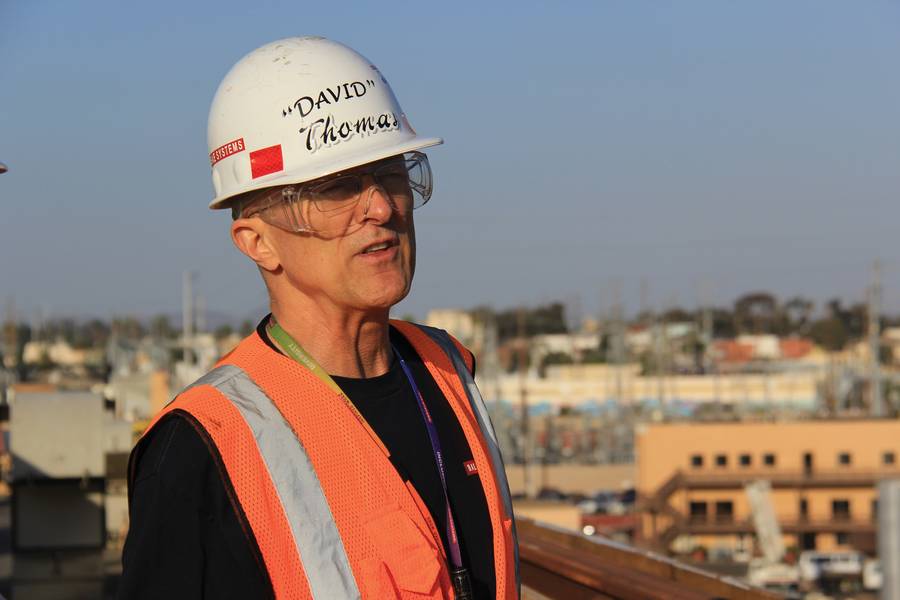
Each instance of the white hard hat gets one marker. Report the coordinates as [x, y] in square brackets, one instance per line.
[298, 109]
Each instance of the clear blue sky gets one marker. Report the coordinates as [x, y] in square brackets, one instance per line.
[725, 145]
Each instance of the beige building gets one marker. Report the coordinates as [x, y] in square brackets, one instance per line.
[823, 475]
[573, 385]
[58, 352]
[458, 322]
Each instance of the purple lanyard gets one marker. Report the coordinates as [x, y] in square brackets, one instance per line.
[455, 554]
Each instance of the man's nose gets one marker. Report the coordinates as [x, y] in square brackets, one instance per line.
[377, 203]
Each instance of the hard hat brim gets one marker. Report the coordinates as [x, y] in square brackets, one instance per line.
[347, 161]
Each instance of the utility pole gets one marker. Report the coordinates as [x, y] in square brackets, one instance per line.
[490, 370]
[187, 316]
[200, 311]
[875, 402]
[710, 368]
[575, 324]
[11, 335]
[644, 301]
[659, 350]
[617, 341]
[523, 403]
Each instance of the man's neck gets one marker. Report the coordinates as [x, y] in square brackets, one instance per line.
[347, 345]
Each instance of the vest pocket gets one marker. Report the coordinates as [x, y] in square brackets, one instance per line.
[407, 563]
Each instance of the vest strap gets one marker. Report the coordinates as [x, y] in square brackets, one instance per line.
[450, 347]
[309, 516]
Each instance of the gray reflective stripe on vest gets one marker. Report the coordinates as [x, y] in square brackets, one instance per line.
[314, 531]
[442, 339]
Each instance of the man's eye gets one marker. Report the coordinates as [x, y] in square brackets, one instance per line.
[336, 190]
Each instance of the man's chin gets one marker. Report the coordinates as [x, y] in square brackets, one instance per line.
[381, 298]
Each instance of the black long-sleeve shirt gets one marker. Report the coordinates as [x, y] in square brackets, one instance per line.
[187, 542]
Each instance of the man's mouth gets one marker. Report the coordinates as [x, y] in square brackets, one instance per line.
[378, 247]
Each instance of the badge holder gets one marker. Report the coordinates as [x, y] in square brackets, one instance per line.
[462, 586]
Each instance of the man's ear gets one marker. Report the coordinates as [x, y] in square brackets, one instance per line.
[252, 237]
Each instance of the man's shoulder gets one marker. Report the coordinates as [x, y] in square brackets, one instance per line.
[445, 340]
[173, 451]
[251, 346]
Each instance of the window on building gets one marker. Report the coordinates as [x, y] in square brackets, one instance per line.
[804, 509]
[874, 510]
[844, 458]
[721, 460]
[769, 459]
[840, 510]
[745, 460]
[888, 458]
[697, 461]
[808, 463]
[842, 538]
[807, 541]
[697, 512]
[724, 511]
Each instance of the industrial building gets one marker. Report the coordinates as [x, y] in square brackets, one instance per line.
[691, 480]
[68, 495]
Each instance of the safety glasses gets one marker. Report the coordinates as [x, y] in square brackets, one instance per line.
[327, 206]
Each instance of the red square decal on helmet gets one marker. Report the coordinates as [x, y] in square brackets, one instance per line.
[265, 161]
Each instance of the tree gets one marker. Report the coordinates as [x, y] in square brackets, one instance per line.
[550, 318]
[22, 334]
[829, 333]
[223, 331]
[128, 327]
[798, 313]
[161, 328]
[854, 319]
[885, 354]
[594, 356]
[756, 313]
[97, 332]
[677, 315]
[723, 323]
[555, 358]
[246, 328]
[44, 363]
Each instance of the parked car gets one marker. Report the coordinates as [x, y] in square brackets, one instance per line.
[829, 565]
[872, 575]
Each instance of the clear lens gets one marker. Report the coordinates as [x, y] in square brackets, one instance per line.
[419, 172]
[335, 194]
[326, 206]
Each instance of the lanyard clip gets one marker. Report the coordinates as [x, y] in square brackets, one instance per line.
[462, 585]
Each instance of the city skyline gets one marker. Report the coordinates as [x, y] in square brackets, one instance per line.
[707, 149]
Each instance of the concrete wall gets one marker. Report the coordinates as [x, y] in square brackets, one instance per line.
[57, 434]
[57, 516]
[584, 479]
[553, 513]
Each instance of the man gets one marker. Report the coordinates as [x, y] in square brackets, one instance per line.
[334, 453]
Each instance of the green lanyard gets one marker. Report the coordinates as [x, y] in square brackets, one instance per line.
[296, 352]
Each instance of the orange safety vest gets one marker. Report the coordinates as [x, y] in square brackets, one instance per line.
[331, 516]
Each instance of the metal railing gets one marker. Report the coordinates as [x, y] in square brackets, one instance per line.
[556, 563]
[781, 478]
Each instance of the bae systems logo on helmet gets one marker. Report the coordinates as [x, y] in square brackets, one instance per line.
[226, 150]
